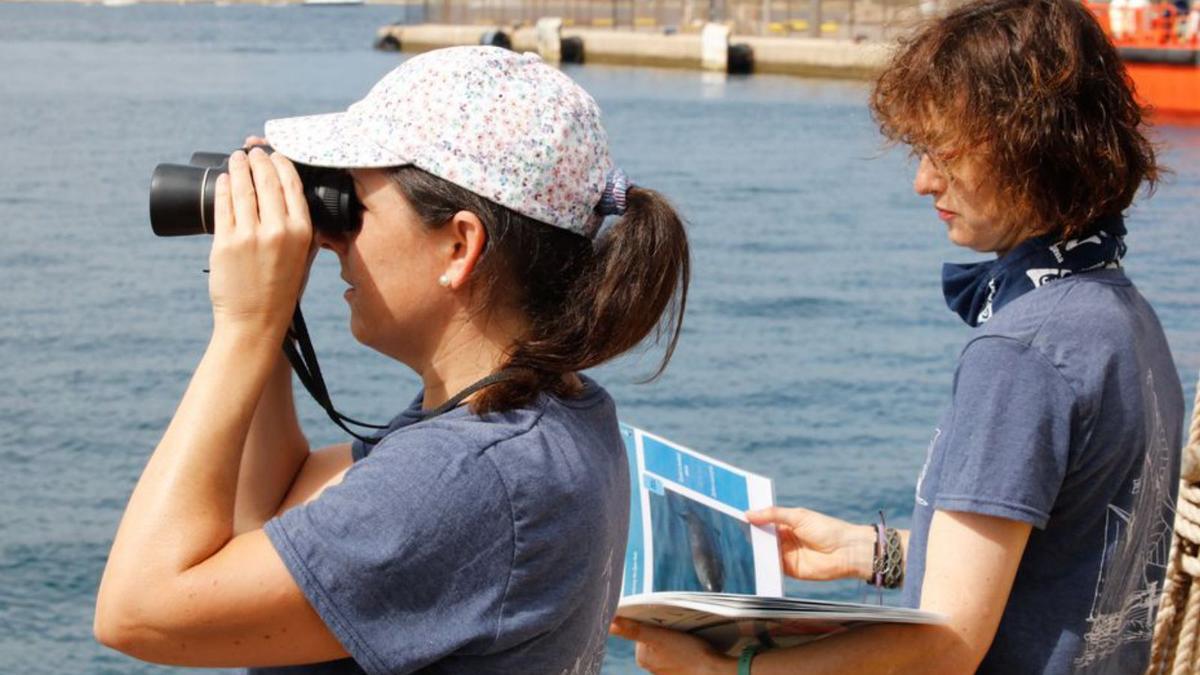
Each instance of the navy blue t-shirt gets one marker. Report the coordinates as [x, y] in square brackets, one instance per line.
[468, 544]
[1067, 414]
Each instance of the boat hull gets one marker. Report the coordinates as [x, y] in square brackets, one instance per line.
[1169, 89]
[1161, 53]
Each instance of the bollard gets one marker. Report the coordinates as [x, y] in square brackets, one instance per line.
[714, 47]
[549, 39]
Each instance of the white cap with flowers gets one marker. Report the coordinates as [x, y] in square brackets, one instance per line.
[503, 125]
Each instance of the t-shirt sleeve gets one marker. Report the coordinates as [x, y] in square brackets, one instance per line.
[408, 559]
[1010, 439]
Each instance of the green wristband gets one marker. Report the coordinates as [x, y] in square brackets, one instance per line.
[745, 659]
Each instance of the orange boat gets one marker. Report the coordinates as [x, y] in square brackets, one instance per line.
[1161, 51]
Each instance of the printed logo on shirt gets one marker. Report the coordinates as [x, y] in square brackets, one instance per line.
[1136, 542]
[937, 433]
[591, 658]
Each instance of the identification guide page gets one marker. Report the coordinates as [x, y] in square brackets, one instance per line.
[687, 528]
[693, 563]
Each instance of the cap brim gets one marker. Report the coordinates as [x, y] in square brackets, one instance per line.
[331, 140]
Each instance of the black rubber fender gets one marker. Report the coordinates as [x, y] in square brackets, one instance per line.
[740, 59]
[570, 49]
[496, 38]
[388, 43]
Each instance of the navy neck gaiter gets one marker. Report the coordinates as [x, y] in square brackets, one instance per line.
[976, 291]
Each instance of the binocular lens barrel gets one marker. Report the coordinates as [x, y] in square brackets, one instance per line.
[213, 159]
[182, 197]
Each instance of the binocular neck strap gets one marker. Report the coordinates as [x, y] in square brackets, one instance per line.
[298, 348]
[457, 399]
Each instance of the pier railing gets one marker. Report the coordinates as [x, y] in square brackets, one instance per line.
[858, 20]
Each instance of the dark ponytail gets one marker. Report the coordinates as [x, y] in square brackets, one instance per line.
[586, 301]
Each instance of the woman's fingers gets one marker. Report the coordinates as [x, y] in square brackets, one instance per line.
[259, 258]
[272, 211]
[777, 515]
[293, 190]
[241, 186]
[818, 547]
[252, 141]
[625, 628]
[665, 651]
[222, 207]
[299, 217]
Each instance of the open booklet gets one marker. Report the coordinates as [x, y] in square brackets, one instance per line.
[694, 564]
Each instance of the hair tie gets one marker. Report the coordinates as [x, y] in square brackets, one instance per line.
[612, 202]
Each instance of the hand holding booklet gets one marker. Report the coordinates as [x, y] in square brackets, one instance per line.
[694, 564]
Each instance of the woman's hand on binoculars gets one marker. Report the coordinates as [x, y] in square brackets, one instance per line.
[262, 244]
[252, 141]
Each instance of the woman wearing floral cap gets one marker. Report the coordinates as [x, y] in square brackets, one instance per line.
[483, 532]
[1042, 517]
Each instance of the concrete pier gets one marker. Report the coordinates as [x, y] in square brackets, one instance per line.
[817, 57]
[812, 57]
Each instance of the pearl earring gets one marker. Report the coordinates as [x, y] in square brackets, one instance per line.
[444, 281]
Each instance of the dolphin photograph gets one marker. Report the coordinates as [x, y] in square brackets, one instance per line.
[699, 548]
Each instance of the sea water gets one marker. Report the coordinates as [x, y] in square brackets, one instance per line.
[816, 350]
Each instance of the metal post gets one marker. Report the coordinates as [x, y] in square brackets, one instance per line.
[814, 28]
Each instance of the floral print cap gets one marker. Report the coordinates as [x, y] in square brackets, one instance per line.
[503, 125]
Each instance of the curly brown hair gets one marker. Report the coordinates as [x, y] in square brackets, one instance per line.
[1036, 92]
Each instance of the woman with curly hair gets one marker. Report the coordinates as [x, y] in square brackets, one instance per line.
[1042, 516]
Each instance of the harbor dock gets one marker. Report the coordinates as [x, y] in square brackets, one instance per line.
[713, 48]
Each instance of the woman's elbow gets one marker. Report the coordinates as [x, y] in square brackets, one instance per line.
[111, 625]
[957, 651]
[119, 624]
[111, 631]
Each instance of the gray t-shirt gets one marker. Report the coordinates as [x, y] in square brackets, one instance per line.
[467, 544]
[1067, 414]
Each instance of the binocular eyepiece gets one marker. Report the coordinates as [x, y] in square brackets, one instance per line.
[182, 196]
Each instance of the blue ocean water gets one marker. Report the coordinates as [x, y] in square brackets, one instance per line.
[817, 349]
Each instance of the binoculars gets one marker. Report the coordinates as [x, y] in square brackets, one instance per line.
[182, 196]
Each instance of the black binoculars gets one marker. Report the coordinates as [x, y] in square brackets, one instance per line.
[182, 196]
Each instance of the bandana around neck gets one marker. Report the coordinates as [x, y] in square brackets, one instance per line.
[976, 291]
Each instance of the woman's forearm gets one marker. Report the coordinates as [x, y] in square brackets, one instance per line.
[892, 649]
[182, 509]
[884, 648]
[275, 450]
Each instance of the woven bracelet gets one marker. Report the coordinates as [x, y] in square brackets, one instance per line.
[887, 566]
[893, 564]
